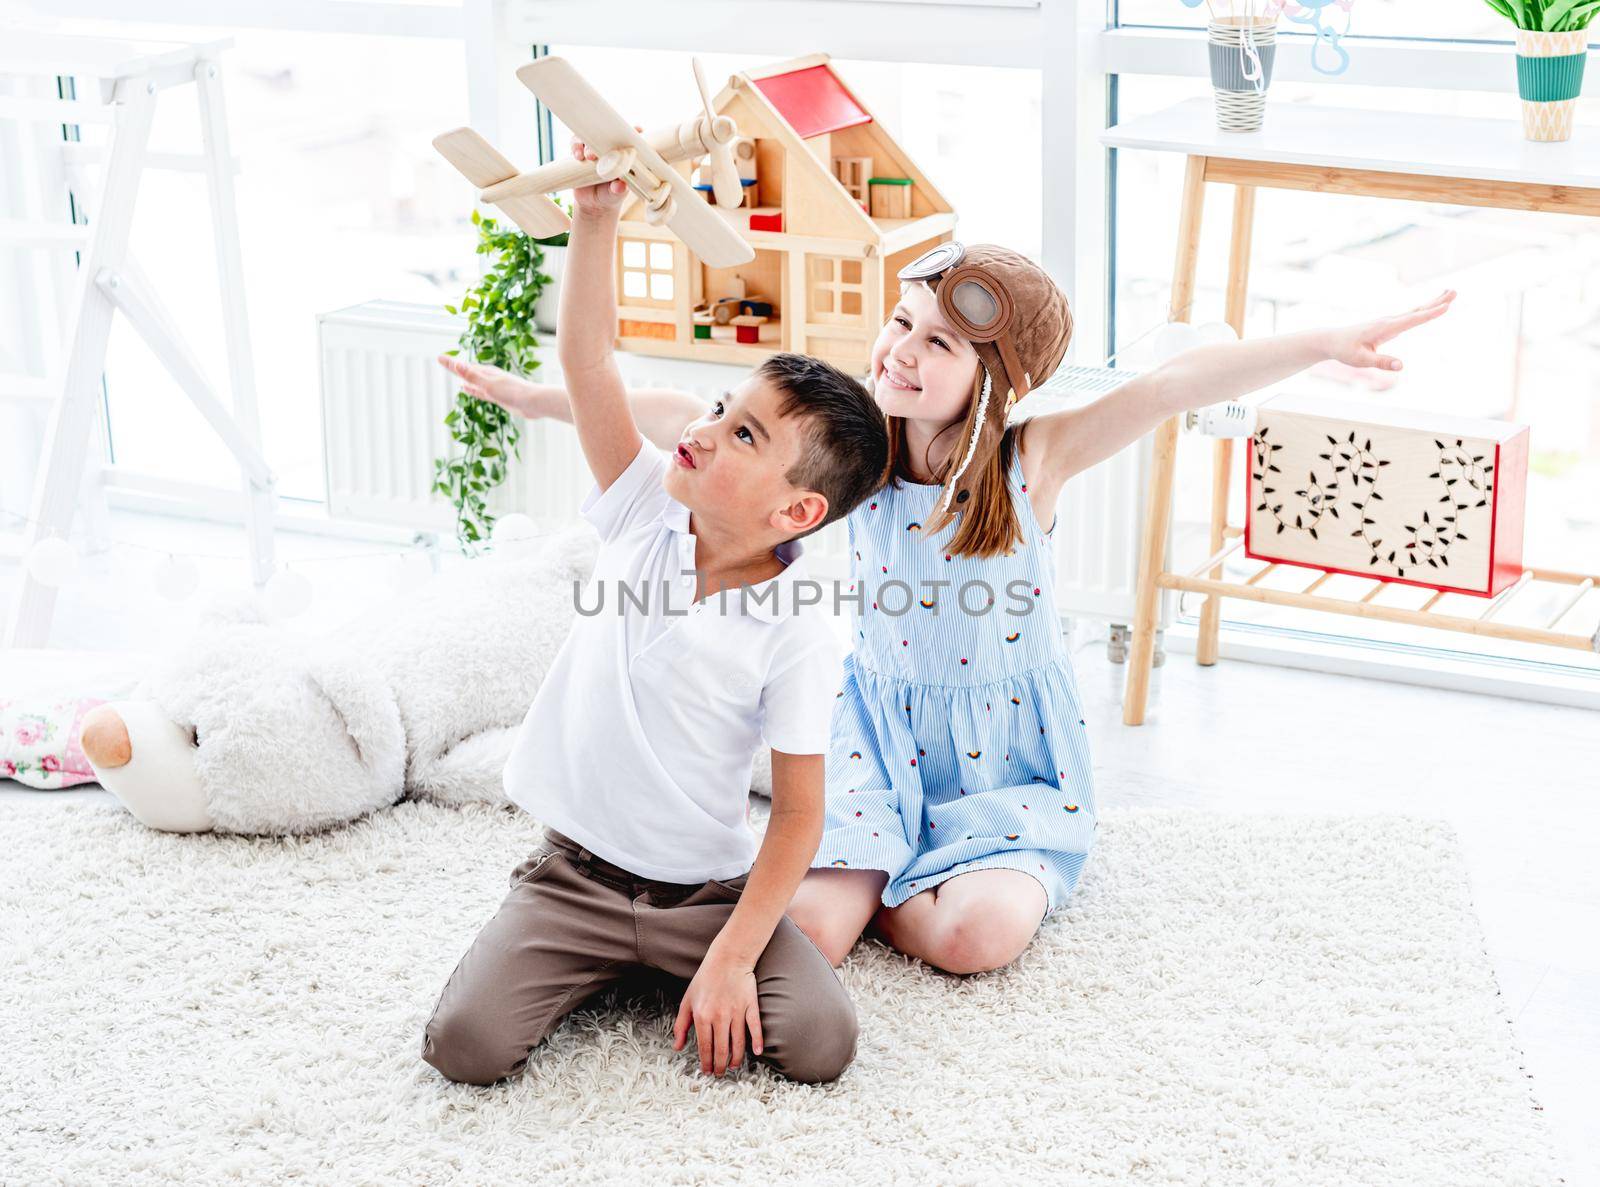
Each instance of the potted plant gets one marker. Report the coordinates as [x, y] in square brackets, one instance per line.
[500, 330]
[555, 262]
[1552, 44]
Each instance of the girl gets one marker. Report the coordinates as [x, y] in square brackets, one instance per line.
[960, 801]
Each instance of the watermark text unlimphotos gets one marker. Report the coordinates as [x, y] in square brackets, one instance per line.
[892, 597]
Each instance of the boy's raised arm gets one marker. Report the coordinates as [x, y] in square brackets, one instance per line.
[588, 326]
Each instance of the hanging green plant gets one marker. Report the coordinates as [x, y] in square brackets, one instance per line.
[499, 311]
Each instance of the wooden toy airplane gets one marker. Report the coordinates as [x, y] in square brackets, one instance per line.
[644, 163]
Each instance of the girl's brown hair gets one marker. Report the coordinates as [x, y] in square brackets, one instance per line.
[988, 524]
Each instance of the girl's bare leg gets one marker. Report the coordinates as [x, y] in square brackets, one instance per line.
[833, 907]
[968, 924]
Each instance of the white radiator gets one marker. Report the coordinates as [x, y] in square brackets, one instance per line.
[1100, 517]
[384, 400]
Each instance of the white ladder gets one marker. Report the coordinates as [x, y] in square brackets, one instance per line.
[129, 78]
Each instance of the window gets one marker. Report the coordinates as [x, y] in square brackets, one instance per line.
[1522, 342]
[646, 272]
[341, 199]
[836, 289]
[945, 117]
[1474, 21]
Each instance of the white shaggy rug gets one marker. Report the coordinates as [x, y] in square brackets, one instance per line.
[1229, 1000]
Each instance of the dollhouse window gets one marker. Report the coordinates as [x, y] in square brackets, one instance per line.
[646, 272]
[836, 289]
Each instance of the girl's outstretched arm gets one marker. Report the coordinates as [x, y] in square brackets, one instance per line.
[660, 412]
[1059, 444]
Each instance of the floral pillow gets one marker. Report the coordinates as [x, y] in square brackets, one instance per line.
[40, 743]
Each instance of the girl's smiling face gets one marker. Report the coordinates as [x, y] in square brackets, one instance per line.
[921, 368]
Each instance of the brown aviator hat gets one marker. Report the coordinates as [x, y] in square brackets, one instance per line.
[1018, 322]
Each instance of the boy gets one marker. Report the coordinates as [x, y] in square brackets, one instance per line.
[692, 644]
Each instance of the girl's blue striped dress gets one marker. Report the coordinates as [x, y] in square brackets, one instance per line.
[958, 738]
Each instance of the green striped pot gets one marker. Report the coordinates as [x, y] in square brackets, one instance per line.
[1549, 77]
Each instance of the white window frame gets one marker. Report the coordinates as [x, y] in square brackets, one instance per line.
[1454, 65]
[825, 279]
[1070, 42]
[648, 270]
[472, 22]
[1374, 61]
[1054, 37]
[497, 106]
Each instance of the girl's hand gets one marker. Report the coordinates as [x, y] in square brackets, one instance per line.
[604, 197]
[721, 1002]
[1357, 346]
[488, 382]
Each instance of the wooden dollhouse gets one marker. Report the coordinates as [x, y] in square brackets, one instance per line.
[833, 208]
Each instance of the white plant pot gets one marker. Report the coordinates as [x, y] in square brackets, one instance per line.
[544, 309]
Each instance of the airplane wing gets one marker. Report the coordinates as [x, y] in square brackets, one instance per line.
[595, 122]
[704, 228]
[476, 159]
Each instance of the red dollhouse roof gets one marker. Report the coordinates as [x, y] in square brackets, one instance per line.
[813, 101]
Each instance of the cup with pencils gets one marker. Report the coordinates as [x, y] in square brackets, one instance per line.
[1243, 41]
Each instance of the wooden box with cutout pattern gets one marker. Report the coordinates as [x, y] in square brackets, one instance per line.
[1393, 494]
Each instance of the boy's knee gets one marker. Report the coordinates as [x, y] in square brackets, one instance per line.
[466, 1050]
[819, 1043]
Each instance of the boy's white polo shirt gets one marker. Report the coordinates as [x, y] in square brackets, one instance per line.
[639, 742]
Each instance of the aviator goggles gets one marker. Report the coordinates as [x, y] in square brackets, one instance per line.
[975, 303]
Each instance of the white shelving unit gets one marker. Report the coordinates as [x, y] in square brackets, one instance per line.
[126, 81]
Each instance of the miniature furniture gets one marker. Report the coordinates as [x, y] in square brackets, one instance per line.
[889, 197]
[120, 84]
[824, 264]
[853, 173]
[1427, 158]
[747, 328]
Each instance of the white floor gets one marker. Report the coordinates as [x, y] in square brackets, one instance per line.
[1517, 780]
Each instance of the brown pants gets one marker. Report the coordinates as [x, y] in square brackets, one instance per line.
[573, 925]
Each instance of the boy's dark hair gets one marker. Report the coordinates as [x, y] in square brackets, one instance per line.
[844, 444]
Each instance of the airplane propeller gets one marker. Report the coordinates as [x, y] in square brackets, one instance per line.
[720, 131]
[643, 162]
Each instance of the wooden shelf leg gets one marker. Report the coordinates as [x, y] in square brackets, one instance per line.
[1244, 208]
[1158, 512]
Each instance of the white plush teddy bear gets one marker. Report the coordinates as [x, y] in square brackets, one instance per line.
[250, 729]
